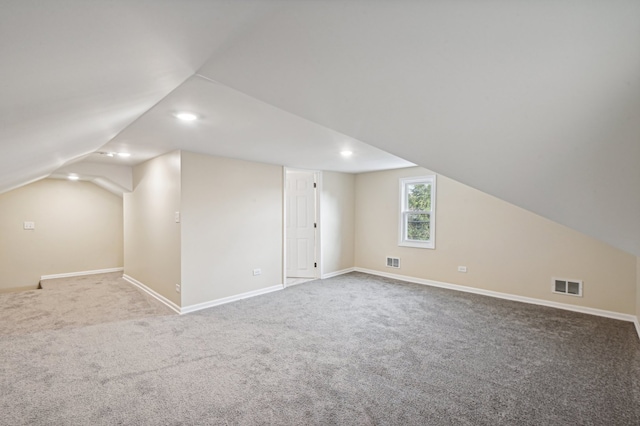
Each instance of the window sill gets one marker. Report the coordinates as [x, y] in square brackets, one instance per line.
[429, 245]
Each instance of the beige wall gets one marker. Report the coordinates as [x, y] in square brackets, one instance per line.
[505, 248]
[337, 216]
[152, 237]
[231, 223]
[78, 228]
[638, 287]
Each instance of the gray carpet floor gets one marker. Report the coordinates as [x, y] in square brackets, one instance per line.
[351, 350]
[75, 302]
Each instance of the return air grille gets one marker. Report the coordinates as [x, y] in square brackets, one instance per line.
[393, 262]
[566, 286]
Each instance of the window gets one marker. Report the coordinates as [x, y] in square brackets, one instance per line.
[417, 212]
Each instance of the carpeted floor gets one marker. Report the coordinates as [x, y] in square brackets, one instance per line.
[350, 350]
[76, 302]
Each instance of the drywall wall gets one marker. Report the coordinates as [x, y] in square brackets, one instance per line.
[231, 224]
[152, 236]
[638, 288]
[505, 248]
[337, 221]
[78, 227]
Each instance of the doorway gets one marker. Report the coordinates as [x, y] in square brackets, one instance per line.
[301, 230]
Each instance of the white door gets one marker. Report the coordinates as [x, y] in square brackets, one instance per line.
[301, 224]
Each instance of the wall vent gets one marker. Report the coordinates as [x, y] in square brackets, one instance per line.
[393, 262]
[566, 286]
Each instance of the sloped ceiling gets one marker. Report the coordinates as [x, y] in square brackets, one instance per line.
[76, 73]
[537, 103]
[234, 125]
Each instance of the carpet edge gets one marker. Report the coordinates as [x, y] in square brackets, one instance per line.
[507, 296]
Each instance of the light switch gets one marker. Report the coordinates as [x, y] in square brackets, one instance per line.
[29, 225]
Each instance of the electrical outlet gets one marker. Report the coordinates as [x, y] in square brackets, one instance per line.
[29, 225]
[257, 271]
[176, 217]
[177, 288]
[462, 269]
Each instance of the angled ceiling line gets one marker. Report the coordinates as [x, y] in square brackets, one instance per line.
[143, 114]
[335, 132]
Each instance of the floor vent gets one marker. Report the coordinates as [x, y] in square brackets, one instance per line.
[565, 286]
[393, 262]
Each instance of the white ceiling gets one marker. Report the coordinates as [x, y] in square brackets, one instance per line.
[537, 103]
[75, 73]
[231, 124]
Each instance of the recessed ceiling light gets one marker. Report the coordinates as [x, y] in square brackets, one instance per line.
[346, 153]
[186, 116]
[73, 177]
[113, 154]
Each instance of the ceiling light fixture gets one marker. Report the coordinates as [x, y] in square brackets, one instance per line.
[186, 116]
[73, 177]
[346, 153]
[114, 154]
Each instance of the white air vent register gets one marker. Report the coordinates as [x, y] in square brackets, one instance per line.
[566, 286]
[393, 262]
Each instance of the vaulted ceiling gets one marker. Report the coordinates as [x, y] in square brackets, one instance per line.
[537, 103]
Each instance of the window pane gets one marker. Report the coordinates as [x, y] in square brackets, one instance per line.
[419, 197]
[418, 227]
[417, 212]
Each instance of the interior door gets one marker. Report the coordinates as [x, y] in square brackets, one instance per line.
[301, 224]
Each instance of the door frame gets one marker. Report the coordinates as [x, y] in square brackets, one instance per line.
[318, 179]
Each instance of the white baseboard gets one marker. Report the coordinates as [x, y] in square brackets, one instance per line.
[152, 293]
[211, 303]
[199, 306]
[635, 322]
[336, 273]
[530, 300]
[79, 274]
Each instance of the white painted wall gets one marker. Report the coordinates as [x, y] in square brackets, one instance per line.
[78, 228]
[337, 221]
[505, 248]
[638, 287]
[152, 237]
[232, 223]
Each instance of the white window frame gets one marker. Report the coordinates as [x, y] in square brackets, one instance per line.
[402, 229]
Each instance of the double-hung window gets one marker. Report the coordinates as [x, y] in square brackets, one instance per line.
[417, 212]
